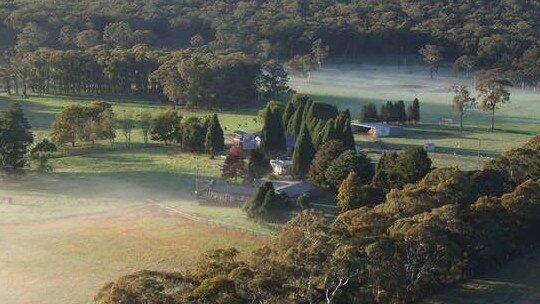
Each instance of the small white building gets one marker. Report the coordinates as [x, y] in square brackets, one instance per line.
[281, 167]
[247, 140]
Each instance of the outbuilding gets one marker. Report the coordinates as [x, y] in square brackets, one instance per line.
[377, 129]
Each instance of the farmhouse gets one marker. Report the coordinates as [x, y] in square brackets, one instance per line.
[233, 195]
[247, 140]
[377, 129]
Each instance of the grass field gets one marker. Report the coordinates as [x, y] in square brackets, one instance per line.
[65, 260]
[103, 212]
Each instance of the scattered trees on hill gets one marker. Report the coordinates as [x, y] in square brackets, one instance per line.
[462, 102]
[15, 138]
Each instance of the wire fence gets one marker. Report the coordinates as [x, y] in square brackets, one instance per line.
[211, 222]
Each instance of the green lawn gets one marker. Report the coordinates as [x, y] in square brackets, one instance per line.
[354, 85]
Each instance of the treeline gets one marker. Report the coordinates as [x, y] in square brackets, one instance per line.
[393, 112]
[502, 34]
[195, 77]
[426, 235]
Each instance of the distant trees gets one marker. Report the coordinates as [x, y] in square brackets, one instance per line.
[146, 125]
[369, 113]
[432, 56]
[273, 81]
[15, 138]
[462, 102]
[127, 123]
[413, 111]
[302, 64]
[192, 135]
[75, 123]
[466, 63]
[166, 127]
[492, 93]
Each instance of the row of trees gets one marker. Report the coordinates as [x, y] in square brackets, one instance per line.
[82, 124]
[282, 29]
[195, 77]
[391, 112]
[427, 235]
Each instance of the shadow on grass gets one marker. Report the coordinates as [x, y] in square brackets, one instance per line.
[516, 282]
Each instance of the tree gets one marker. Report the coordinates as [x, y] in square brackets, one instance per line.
[266, 204]
[413, 111]
[369, 113]
[15, 137]
[87, 39]
[234, 165]
[492, 94]
[303, 201]
[464, 62]
[349, 161]
[146, 125]
[343, 129]
[42, 152]
[432, 56]
[319, 51]
[273, 80]
[302, 64]
[348, 196]
[462, 102]
[258, 164]
[31, 37]
[193, 134]
[414, 164]
[214, 141]
[328, 152]
[303, 154]
[273, 133]
[118, 34]
[166, 127]
[127, 123]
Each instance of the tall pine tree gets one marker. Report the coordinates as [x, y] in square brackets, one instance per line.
[303, 153]
[343, 129]
[273, 134]
[214, 141]
[15, 137]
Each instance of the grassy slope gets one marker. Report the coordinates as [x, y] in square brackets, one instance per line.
[515, 282]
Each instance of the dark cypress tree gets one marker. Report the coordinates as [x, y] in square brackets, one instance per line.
[258, 164]
[349, 161]
[288, 113]
[273, 134]
[369, 113]
[253, 208]
[416, 110]
[343, 129]
[303, 153]
[329, 132]
[414, 164]
[401, 116]
[327, 153]
[214, 141]
[15, 137]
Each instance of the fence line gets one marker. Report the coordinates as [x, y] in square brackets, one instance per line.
[209, 221]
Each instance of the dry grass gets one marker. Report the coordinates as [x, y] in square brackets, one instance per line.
[67, 259]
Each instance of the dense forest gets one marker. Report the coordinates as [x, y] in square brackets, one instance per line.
[502, 34]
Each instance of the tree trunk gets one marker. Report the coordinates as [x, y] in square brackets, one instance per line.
[493, 119]
[461, 122]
